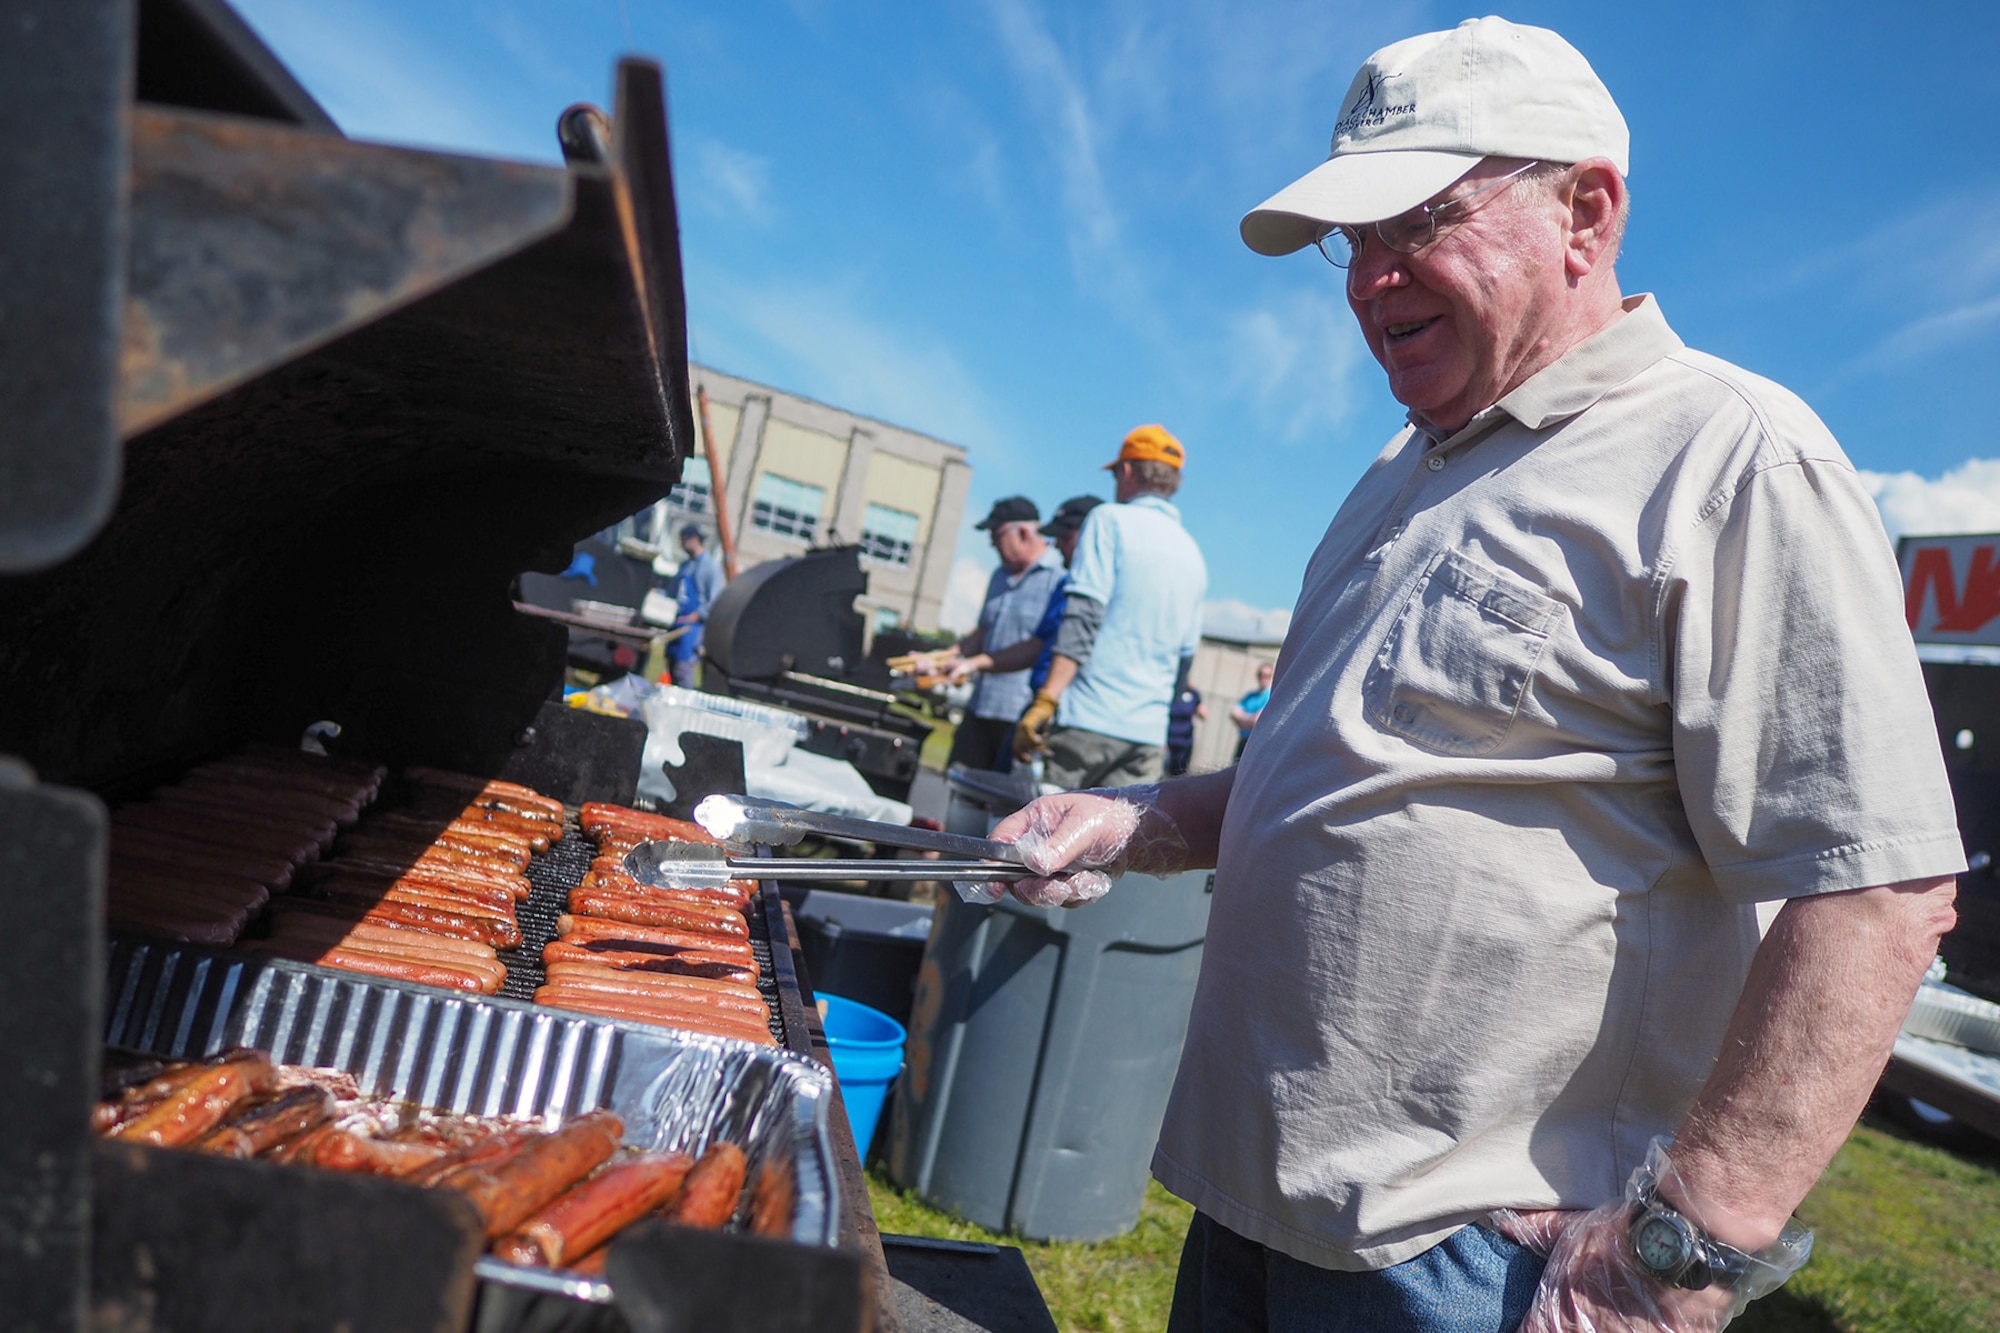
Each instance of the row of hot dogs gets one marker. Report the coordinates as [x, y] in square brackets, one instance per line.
[424, 886]
[425, 892]
[550, 1198]
[678, 957]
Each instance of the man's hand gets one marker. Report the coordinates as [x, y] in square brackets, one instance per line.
[1078, 842]
[1592, 1284]
[1031, 734]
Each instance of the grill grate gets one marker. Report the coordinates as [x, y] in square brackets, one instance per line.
[561, 868]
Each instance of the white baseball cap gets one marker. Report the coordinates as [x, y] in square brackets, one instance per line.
[1424, 111]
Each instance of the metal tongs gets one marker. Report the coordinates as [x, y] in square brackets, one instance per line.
[743, 822]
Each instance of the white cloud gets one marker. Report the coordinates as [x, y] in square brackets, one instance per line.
[1055, 91]
[732, 184]
[1293, 360]
[817, 341]
[964, 595]
[1240, 622]
[1965, 499]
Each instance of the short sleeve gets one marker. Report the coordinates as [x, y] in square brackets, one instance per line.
[1805, 750]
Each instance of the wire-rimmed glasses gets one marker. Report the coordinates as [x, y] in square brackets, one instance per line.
[1407, 233]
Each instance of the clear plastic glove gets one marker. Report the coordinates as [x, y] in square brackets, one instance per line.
[1593, 1283]
[1078, 842]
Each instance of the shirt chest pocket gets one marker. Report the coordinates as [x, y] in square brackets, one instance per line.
[1461, 658]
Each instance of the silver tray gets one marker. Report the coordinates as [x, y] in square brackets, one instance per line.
[486, 1056]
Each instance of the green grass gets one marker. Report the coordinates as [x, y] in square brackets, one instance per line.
[1907, 1241]
[1114, 1286]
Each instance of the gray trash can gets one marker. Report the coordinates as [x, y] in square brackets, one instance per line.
[1042, 1048]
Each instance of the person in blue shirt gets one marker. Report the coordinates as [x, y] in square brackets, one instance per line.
[1181, 716]
[1129, 629]
[1247, 709]
[699, 582]
[1033, 653]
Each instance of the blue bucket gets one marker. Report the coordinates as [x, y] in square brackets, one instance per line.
[867, 1049]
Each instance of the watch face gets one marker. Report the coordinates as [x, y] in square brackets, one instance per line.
[1660, 1244]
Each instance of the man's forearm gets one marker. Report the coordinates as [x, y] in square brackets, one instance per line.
[1827, 992]
[1062, 670]
[1196, 805]
[1015, 656]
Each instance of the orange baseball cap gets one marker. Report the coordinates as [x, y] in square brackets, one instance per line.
[1150, 444]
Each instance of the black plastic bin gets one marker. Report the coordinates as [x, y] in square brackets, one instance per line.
[863, 949]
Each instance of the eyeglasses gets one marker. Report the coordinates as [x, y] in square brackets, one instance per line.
[1407, 233]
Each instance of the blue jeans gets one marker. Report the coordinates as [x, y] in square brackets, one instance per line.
[1473, 1281]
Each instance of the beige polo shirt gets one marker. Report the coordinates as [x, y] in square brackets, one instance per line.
[1564, 696]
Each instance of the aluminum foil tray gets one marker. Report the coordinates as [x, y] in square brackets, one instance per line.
[486, 1056]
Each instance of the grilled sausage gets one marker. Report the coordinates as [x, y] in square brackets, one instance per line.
[596, 1210]
[511, 1190]
[570, 925]
[263, 1122]
[601, 817]
[699, 1018]
[611, 984]
[416, 916]
[772, 1200]
[729, 994]
[611, 905]
[687, 962]
[343, 1151]
[708, 1198]
[198, 1105]
[421, 972]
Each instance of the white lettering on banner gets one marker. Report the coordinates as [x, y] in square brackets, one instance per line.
[1951, 588]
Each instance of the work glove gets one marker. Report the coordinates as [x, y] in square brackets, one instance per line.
[1078, 842]
[1592, 1283]
[1031, 733]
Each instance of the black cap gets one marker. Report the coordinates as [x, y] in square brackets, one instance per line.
[1012, 509]
[692, 530]
[1069, 515]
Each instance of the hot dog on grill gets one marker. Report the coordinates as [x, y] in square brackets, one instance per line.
[609, 905]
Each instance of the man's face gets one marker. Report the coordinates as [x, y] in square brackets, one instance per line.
[1017, 544]
[691, 545]
[1264, 673]
[1457, 324]
[1066, 543]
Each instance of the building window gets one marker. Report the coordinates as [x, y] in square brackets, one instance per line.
[788, 508]
[693, 495]
[888, 534]
[887, 617]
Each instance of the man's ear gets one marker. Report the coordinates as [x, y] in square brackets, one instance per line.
[1596, 199]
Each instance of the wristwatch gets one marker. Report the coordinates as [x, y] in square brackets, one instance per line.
[1668, 1246]
[1673, 1249]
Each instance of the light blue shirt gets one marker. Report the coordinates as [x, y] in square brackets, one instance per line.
[1139, 562]
[1014, 605]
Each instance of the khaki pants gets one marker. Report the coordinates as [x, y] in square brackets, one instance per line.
[1078, 758]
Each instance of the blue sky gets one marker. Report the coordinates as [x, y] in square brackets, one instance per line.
[1012, 223]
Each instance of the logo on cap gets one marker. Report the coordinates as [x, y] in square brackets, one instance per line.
[1368, 108]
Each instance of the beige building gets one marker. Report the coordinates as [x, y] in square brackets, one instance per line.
[1224, 671]
[797, 473]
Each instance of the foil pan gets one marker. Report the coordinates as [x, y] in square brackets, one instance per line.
[486, 1056]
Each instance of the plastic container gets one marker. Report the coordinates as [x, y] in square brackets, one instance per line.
[867, 1049]
[1042, 1048]
[767, 734]
[867, 949]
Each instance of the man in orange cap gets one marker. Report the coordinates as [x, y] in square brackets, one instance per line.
[1129, 628]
